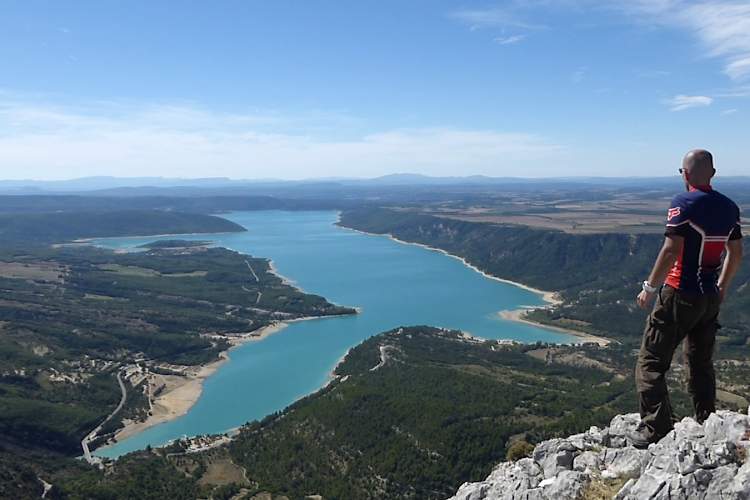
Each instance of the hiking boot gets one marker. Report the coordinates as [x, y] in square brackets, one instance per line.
[702, 416]
[639, 438]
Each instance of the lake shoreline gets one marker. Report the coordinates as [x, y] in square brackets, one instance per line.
[184, 391]
[177, 400]
[516, 316]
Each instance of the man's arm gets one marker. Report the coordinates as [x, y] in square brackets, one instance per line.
[668, 255]
[731, 264]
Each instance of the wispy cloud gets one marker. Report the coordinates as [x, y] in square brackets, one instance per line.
[652, 74]
[682, 102]
[729, 112]
[131, 139]
[579, 75]
[722, 27]
[509, 39]
[735, 92]
[503, 18]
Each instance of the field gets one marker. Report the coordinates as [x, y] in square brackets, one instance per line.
[593, 211]
[35, 271]
[143, 272]
[223, 472]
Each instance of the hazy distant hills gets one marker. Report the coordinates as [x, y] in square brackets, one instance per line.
[103, 185]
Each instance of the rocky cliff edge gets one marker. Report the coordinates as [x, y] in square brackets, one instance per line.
[694, 461]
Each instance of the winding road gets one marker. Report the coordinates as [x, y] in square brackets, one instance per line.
[92, 435]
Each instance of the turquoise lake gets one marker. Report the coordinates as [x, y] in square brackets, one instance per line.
[393, 283]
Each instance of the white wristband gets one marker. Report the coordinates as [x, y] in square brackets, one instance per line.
[647, 287]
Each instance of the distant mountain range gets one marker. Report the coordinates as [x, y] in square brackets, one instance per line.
[151, 185]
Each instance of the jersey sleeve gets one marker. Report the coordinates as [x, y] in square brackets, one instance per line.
[677, 218]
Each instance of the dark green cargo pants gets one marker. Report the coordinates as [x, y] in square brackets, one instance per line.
[677, 316]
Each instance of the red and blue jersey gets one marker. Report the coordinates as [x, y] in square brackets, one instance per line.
[707, 220]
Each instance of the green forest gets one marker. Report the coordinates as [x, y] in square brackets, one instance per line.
[20, 229]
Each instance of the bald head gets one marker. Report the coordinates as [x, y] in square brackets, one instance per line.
[699, 165]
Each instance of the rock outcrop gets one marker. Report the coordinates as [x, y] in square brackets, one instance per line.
[693, 461]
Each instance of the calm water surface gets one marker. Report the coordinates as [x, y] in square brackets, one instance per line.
[394, 284]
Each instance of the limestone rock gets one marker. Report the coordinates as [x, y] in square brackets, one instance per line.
[588, 460]
[555, 456]
[693, 462]
[623, 462]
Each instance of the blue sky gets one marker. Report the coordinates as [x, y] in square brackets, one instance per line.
[322, 88]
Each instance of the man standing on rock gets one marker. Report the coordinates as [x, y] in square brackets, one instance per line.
[701, 225]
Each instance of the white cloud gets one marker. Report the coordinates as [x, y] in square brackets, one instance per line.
[578, 76]
[509, 39]
[729, 112]
[682, 102]
[127, 139]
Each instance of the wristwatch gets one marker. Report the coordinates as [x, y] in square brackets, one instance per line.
[647, 287]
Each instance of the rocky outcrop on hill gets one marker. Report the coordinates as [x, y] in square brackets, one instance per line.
[694, 461]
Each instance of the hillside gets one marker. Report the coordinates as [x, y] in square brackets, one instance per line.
[62, 227]
[597, 276]
[412, 413]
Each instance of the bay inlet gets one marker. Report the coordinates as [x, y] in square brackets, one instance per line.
[393, 284]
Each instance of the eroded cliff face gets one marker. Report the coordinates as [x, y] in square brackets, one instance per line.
[694, 461]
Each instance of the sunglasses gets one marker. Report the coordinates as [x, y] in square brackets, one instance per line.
[681, 170]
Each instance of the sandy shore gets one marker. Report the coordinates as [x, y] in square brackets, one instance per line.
[284, 279]
[517, 316]
[332, 376]
[181, 393]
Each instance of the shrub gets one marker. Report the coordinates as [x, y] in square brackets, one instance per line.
[519, 450]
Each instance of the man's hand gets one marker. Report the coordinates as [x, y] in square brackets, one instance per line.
[644, 299]
[731, 264]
